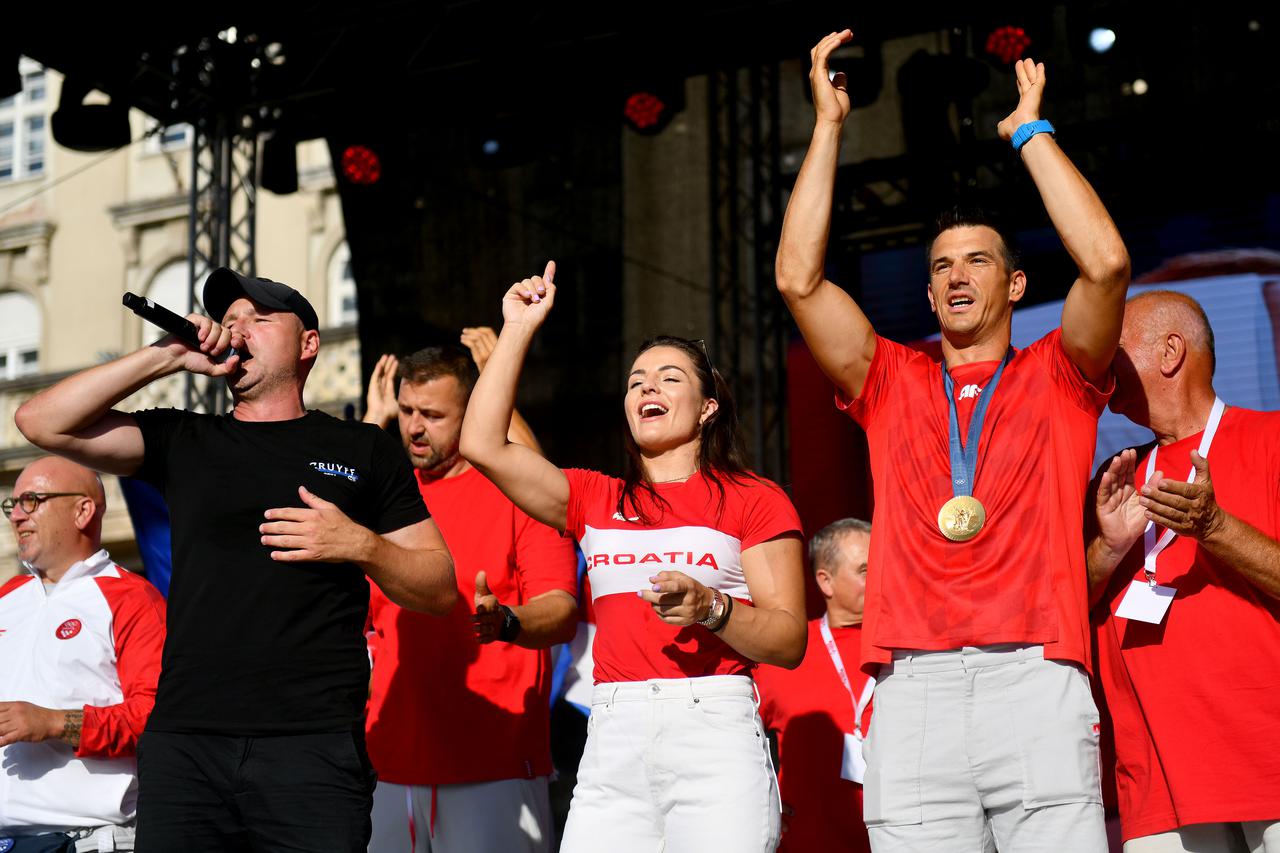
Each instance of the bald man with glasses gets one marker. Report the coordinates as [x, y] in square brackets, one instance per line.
[80, 642]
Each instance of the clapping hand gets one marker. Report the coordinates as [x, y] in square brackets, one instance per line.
[1121, 518]
[1031, 79]
[830, 92]
[480, 340]
[1188, 509]
[381, 406]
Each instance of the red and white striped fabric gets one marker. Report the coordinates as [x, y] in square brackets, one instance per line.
[93, 642]
[694, 532]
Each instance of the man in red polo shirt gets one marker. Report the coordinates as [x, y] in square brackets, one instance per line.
[820, 709]
[459, 707]
[976, 605]
[1189, 611]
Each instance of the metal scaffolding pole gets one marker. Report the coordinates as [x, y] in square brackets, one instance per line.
[222, 228]
[747, 315]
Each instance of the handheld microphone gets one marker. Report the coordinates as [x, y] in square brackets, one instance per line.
[184, 329]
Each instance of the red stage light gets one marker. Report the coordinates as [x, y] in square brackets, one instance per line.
[1008, 43]
[644, 110]
[361, 165]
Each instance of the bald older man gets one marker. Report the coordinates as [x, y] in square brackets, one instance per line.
[80, 642]
[1185, 569]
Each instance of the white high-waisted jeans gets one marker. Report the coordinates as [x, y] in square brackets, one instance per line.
[674, 765]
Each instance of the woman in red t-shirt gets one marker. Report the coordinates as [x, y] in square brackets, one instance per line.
[695, 568]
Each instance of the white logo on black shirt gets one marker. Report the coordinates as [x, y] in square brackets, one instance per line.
[333, 469]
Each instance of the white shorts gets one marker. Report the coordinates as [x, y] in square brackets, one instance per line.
[677, 765]
[505, 816]
[1257, 836]
[982, 745]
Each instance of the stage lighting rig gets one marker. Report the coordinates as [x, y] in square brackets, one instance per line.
[361, 165]
[648, 106]
[1008, 43]
[88, 127]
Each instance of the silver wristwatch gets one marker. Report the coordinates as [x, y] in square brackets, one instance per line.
[715, 613]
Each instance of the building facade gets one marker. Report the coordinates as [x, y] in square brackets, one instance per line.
[79, 230]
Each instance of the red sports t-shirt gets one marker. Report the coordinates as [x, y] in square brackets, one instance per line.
[1195, 701]
[1022, 578]
[693, 533]
[444, 709]
[811, 711]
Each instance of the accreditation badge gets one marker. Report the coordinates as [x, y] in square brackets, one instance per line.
[1146, 602]
[852, 765]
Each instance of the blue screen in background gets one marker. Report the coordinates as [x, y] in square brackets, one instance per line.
[1244, 311]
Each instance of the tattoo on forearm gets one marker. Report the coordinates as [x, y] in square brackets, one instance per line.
[72, 726]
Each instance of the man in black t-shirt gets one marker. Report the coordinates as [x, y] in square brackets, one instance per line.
[278, 513]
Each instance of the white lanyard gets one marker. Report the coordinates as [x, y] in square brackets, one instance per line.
[1152, 548]
[860, 703]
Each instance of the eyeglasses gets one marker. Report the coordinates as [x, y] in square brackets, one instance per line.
[30, 501]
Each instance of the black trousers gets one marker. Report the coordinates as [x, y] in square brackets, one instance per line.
[307, 793]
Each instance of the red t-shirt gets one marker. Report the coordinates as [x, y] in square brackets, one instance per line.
[693, 533]
[444, 709]
[811, 711]
[1195, 701]
[1022, 578]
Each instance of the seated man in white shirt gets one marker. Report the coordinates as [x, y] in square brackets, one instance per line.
[80, 642]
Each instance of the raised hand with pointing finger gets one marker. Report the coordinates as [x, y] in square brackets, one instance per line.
[528, 302]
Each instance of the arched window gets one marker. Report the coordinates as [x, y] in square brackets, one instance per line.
[343, 309]
[169, 288]
[19, 335]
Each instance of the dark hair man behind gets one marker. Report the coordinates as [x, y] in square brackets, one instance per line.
[980, 463]
[277, 513]
[486, 667]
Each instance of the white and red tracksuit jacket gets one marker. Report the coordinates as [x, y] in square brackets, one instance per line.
[91, 641]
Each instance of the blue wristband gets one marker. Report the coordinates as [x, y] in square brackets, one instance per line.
[1025, 131]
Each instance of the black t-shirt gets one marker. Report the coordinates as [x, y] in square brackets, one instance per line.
[256, 646]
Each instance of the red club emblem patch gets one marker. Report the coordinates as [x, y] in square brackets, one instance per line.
[68, 629]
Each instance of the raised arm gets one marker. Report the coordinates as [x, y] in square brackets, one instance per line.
[74, 418]
[532, 483]
[1094, 309]
[838, 334]
[481, 341]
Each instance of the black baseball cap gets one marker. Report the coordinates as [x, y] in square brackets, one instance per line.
[224, 286]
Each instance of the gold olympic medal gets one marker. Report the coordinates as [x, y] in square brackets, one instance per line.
[961, 518]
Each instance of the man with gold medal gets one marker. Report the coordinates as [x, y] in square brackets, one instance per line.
[976, 619]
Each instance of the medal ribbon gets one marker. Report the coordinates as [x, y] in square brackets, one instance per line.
[964, 457]
[859, 703]
[1152, 547]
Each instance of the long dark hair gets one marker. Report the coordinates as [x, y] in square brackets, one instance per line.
[720, 449]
